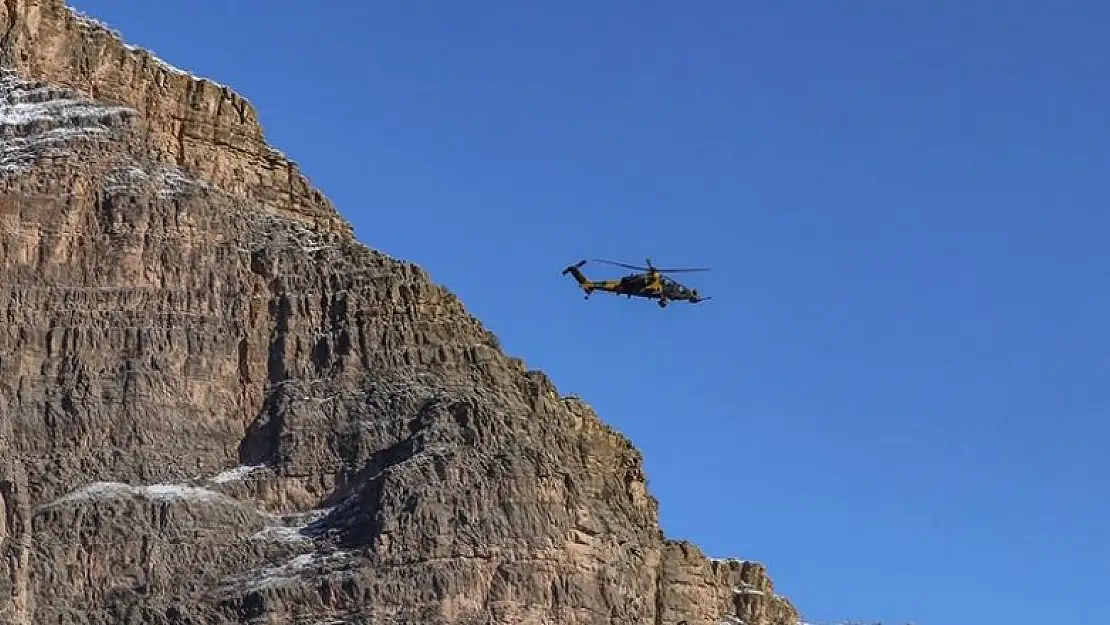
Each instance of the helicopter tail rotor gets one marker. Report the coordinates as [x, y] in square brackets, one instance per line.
[573, 267]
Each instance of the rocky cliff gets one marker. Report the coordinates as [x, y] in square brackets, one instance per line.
[216, 406]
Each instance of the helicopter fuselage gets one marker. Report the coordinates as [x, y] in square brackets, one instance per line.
[648, 285]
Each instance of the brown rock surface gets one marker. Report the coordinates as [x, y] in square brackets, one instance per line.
[216, 406]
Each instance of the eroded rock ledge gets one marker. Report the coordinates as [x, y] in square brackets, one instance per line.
[202, 127]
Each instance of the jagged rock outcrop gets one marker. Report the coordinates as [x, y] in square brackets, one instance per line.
[216, 406]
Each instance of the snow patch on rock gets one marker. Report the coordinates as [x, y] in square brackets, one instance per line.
[160, 492]
[236, 474]
[298, 527]
[745, 589]
[39, 121]
[290, 570]
[167, 182]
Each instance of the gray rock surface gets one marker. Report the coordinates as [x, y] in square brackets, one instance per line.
[216, 406]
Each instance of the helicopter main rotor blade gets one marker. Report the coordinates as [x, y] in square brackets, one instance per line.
[625, 265]
[650, 267]
[683, 270]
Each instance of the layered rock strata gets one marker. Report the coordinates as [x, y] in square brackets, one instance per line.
[216, 406]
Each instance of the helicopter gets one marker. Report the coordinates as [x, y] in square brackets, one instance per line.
[651, 284]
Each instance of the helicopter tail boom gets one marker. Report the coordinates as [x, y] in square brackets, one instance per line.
[589, 286]
[579, 277]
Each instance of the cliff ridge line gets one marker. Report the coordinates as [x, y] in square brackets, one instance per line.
[201, 126]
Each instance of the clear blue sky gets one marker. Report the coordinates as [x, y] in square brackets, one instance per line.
[898, 398]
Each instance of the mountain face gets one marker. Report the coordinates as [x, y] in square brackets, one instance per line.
[217, 406]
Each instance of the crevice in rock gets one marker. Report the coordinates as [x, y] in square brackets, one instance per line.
[357, 519]
[659, 578]
[13, 525]
[244, 363]
[281, 309]
[13, 22]
[180, 156]
[361, 521]
[262, 441]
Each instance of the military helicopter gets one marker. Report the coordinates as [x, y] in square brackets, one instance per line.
[651, 284]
